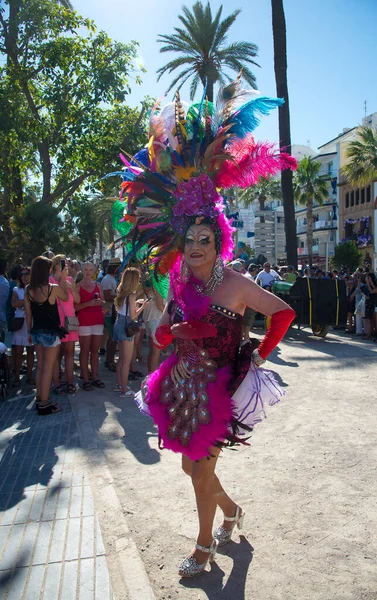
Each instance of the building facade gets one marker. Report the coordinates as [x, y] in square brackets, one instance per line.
[357, 205]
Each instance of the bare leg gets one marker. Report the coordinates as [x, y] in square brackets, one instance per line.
[84, 356]
[207, 496]
[18, 356]
[94, 358]
[69, 355]
[38, 373]
[126, 349]
[153, 356]
[29, 361]
[225, 502]
[50, 356]
[134, 351]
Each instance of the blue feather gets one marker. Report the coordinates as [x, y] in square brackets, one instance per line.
[247, 118]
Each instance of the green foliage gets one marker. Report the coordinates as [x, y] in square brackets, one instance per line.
[347, 254]
[63, 113]
[35, 227]
[362, 154]
[267, 188]
[308, 187]
[202, 52]
[308, 184]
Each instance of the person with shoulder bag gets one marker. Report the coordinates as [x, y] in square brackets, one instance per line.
[70, 322]
[126, 327]
[20, 338]
[43, 325]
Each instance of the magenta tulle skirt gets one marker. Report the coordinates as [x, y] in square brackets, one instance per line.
[229, 414]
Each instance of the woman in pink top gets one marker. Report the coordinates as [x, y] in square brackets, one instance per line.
[91, 320]
[66, 309]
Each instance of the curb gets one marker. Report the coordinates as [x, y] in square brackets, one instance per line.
[127, 572]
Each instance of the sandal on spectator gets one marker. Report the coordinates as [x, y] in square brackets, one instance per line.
[137, 373]
[98, 383]
[87, 386]
[71, 389]
[48, 409]
[60, 390]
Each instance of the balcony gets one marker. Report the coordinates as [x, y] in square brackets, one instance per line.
[318, 225]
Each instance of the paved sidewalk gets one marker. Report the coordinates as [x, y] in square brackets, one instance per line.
[51, 545]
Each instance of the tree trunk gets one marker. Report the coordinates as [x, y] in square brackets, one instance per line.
[309, 232]
[209, 92]
[280, 64]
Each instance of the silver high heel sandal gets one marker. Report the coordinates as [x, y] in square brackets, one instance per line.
[190, 566]
[222, 535]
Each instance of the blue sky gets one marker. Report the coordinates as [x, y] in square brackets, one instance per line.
[332, 50]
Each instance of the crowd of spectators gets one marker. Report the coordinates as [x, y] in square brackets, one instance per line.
[48, 308]
[57, 303]
[361, 291]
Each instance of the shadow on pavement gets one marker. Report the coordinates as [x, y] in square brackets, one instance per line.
[27, 448]
[337, 347]
[138, 430]
[212, 582]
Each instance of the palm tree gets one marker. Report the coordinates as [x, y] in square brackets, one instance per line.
[266, 188]
[280, 64]
[362, 166]
[309, 186]
[202, 50]
[66, 4]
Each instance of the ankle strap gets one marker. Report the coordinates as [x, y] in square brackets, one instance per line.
[236, 517]
[206, 548]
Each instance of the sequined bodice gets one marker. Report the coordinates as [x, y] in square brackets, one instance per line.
[222, 348]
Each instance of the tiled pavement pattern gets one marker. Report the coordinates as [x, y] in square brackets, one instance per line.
[50, 542]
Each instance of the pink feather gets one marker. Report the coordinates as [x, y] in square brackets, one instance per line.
[254, 160]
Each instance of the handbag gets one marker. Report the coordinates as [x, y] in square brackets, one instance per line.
[16, 324]
[70, 323]
[132, 327]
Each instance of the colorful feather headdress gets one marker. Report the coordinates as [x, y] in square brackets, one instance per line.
[192, 153]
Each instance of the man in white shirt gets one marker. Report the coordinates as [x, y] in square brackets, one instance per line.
[109, 286]
[267, 277]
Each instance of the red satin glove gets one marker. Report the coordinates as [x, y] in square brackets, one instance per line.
[280, 323]
[162, 337]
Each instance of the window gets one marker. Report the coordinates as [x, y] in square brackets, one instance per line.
[347, 200]
[363, 196]
[329, 167]
[368, 193]
[357, 197]
[348, 230]
[352, 198]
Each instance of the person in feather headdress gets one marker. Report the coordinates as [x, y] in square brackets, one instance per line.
[209, 391]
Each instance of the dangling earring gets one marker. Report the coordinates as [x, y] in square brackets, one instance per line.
[185, 271]
[217, 276]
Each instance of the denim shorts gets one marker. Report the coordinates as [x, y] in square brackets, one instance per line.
[119, 330]
[47, 340]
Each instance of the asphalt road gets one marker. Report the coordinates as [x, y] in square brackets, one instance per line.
[307, 484]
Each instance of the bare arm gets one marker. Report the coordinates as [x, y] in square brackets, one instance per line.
[75, 294]
[260, 300]
[16, 303]
[61, 291]
[29, 318]
[159, 300]
[165, 319]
